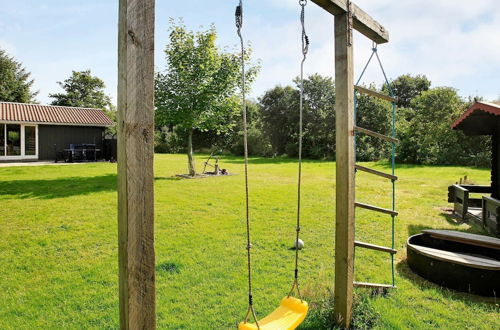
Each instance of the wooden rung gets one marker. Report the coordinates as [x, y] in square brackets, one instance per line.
[375, 208]
[375, 134]
[369, 170]
[373, 285]
[375, 247]
[374, 93]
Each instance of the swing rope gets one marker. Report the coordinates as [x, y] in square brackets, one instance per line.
[305, 49]
[239, 26]
[393, 144]
[290, 311]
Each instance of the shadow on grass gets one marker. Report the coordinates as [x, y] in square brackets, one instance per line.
[423, 285]
[385, 164]
[64, 187]
[58, 188]
[474, 228]
[451, 218]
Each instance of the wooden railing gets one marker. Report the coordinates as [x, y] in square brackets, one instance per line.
[459, 195]
[491, 214]
[472, 188]
[460, 198]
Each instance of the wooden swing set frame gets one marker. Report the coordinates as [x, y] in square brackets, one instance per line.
[135, 156]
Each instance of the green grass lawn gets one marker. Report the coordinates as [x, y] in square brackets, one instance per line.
[58, 246]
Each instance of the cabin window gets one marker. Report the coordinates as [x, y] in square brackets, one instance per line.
[18, 141]
[2, 139]
[13, 140]
[30, 140]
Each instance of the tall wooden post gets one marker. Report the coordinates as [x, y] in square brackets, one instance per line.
[345, 187]
[135, 164]
[348, 16]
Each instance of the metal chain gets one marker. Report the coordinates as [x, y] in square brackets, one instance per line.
[305, 49]
[239, 26]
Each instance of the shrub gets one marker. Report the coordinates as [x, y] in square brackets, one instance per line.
[258, 144]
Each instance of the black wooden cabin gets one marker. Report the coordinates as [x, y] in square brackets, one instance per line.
[481, 118]
[30, 132]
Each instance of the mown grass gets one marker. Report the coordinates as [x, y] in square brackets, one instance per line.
[58, 246]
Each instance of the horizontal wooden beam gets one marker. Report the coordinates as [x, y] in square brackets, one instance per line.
[362, 22]
[375, 172]
[373, 285]
[375, 134]
[376, 209]
[374, 247]
[370, 92]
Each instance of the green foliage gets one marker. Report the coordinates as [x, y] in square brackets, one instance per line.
[423, 123]
[319, 117]
[427, 137]
[82, 89]
[376, 115]
[15, 81]
[13, 135]
[169, 141]
[258, 142]
[406, 88]
[279, 110]
[198, 89]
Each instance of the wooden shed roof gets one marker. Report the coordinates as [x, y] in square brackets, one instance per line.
[50, 114]
[482, 118]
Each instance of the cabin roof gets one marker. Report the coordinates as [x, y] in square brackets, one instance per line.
[481, 118]
[51, 114]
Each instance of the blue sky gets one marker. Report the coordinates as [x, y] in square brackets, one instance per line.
[454, 42]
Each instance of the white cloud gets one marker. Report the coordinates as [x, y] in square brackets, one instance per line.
[454, 43]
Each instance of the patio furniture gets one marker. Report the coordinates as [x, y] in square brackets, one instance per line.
[81, 153]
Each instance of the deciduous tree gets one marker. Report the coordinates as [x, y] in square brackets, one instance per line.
[198, 89]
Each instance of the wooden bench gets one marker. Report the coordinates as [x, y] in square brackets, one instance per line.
[491, 215]
[471, 239]
[463, 204]
[458, 258]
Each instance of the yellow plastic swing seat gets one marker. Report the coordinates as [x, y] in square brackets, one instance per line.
[288, 316]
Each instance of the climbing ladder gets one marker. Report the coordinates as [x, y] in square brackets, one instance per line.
[392, 177]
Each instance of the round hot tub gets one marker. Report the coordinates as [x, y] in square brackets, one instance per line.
[456, 260]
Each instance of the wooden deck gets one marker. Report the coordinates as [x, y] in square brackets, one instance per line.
[475, 212]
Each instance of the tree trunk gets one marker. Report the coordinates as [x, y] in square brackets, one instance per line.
[192, 171]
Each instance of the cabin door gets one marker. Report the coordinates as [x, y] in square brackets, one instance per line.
[18, 142]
